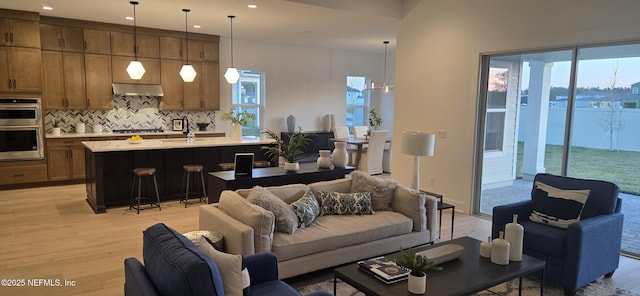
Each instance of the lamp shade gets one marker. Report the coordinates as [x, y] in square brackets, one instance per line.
[418, 143]
[135, 70]
[232, 75]
[188, 73]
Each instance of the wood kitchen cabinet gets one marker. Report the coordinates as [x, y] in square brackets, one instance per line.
[171, 85]
[23, 33]
[203, 51]
[171, 48]
[64, 80]
[20, 69]
[201, 94]
[19, 172]
[61, 38]
[120, 75]
[123, 44]
[65, 159]
[97, 41]
[210, 86]
[98, 81]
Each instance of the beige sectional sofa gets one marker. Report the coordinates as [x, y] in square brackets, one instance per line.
[329, 240]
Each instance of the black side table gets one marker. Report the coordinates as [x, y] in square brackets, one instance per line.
[442, 206]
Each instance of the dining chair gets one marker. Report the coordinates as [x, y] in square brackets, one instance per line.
[359, 131]
[371, 159]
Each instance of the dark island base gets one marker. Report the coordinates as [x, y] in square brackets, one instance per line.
[110, 174]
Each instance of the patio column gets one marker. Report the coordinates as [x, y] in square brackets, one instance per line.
[536, 122]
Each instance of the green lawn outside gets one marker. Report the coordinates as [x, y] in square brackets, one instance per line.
[620, 167]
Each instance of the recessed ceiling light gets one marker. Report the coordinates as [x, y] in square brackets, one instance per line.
[252, 6]
[129, 18]
[47, 7]
[196, 26]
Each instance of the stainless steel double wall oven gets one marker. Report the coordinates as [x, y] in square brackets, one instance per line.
[21, 132]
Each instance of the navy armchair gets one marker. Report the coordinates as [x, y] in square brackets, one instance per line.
[176, 266]
[581, 253]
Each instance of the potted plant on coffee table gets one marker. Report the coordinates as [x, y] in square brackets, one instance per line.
[419, 266]
[289, 150]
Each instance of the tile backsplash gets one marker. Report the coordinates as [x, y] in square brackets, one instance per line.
[129, 112]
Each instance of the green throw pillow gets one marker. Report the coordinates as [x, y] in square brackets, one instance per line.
[337, 203]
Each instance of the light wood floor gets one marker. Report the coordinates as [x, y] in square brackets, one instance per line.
[52, 233]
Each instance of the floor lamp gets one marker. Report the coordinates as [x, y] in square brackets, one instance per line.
[417, 144]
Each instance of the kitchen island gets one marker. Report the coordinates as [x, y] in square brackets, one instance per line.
[110, 164]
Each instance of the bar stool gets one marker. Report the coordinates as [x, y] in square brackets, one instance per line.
[188, 170]
[139, 173]
[227, 166]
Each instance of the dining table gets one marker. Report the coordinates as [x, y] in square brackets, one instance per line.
[359, 143]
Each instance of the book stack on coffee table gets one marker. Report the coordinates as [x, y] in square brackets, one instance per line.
[384, 269]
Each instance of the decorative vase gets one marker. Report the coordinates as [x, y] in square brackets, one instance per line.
[55, 131]
[80, 128]
[500, 250]
[327, 123]
[291, 166]
[97, 128]
[236, 132]
[417, 284]
[324, 161]
[291, 124]
[485, 248]
[514, 234]
[340, 155]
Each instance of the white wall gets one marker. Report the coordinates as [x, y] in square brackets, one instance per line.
[307, 82]
[439, 45]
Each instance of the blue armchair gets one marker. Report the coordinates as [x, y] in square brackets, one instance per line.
[587, 249]
[176, 266]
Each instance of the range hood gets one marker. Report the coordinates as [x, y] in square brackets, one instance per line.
[128, 89]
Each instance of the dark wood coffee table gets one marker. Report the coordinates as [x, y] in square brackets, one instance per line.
[465, 275]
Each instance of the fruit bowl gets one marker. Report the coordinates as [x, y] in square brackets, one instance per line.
[134, 139]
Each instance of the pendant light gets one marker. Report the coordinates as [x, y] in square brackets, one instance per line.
[188, 73]
[135, 68]
[232, 74]
[384, 87]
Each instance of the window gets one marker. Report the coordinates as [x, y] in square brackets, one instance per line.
[357, 102]
[496, 108]
[248, 94]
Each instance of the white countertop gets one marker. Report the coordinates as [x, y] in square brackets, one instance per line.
[110, 134]
[176, 143]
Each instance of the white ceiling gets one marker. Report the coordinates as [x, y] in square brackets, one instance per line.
[343, 24]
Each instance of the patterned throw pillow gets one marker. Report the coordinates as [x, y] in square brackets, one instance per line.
[557, 207]
[337, 203]
[307, 209]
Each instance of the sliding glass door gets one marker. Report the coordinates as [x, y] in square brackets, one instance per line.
[572, 112]
[525, 98]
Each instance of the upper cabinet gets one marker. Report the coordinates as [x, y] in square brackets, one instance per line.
[68, 39]
[122, 44]
[203, 51]
[20, 69]
[171, 48]
[97, 41]
[17, 32]
[120, 75]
